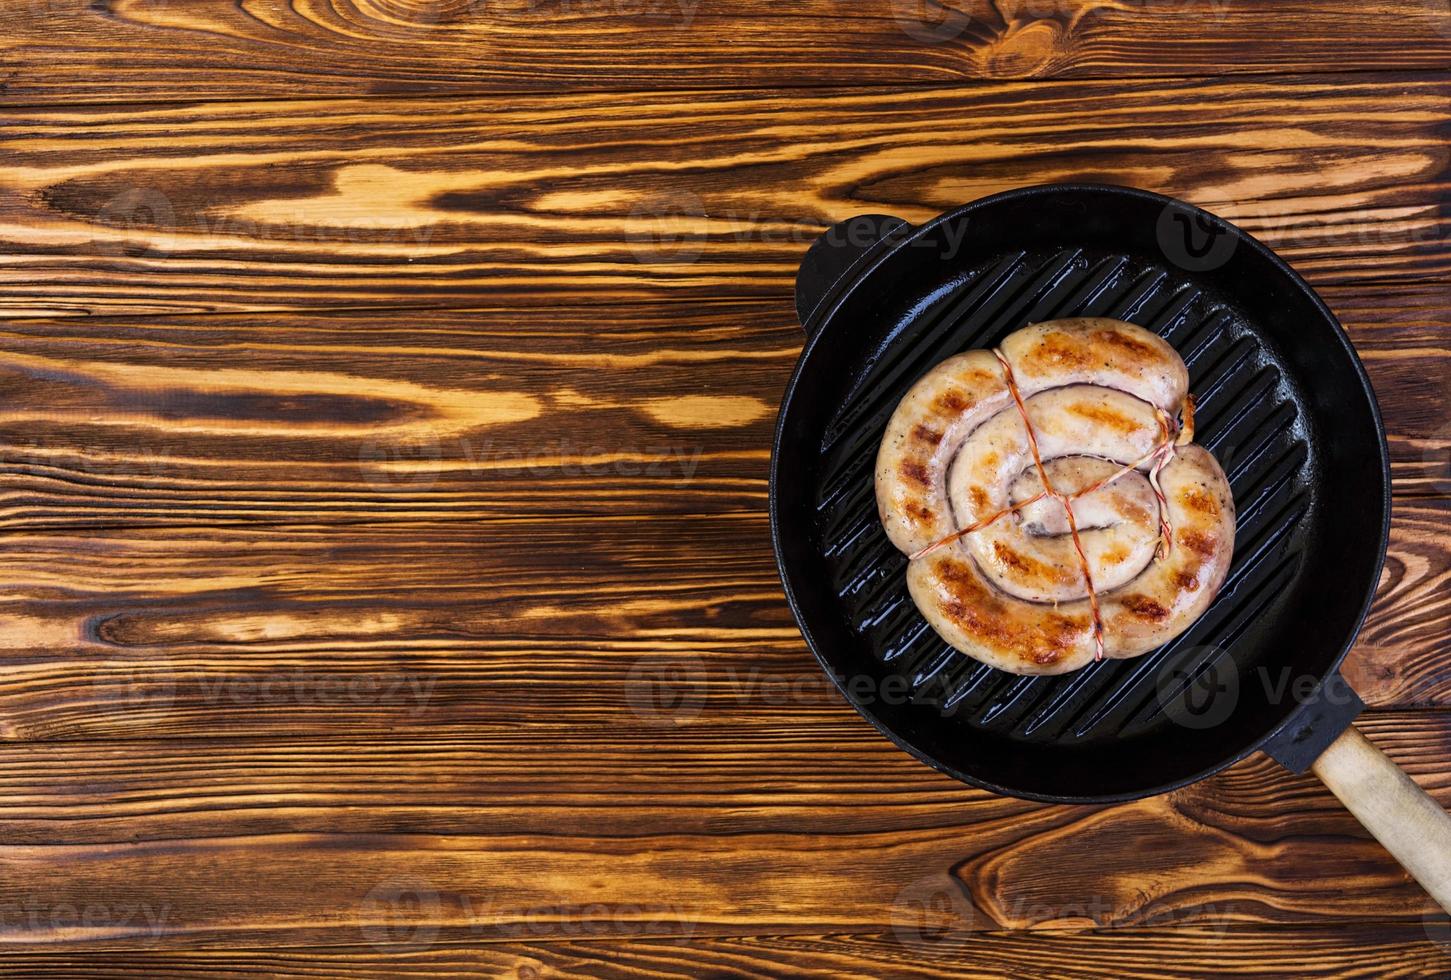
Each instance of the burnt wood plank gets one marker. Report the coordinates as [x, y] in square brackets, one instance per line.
[450, 637]
[798, 827]
[617, 197]
[546, 411]
[1373, 951]
[160, 50]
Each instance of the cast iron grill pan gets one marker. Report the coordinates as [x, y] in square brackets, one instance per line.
[1256, 346]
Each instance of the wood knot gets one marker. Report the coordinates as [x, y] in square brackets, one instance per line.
[1027, 50]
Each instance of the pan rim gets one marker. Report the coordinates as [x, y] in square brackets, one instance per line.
[856, 276]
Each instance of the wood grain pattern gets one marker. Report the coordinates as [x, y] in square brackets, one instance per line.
[192, 632]
[1400, 335]
[546, 411]
[154, 50]
[1375, 951]
[621, 196]
[387, 393]
[507, 834]
[1391, 664]
[440, 415]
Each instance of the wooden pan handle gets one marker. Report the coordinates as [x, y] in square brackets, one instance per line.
[1400, 814]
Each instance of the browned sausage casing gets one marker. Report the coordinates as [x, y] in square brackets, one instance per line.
[1014, 594]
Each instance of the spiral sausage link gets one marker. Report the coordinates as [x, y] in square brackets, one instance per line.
[1050, 501]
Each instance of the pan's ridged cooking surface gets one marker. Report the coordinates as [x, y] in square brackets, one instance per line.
[1247, 416]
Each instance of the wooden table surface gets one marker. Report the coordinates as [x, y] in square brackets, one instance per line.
[388, 393]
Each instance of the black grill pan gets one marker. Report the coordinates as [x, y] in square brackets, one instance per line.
[1283, 402]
